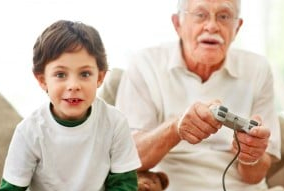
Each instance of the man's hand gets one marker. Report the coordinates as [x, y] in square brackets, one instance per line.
[198, 123]
[253, 144]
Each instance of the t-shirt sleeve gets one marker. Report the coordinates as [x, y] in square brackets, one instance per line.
[121, 181]
[6, 186]
[20, 161]
[123, 154]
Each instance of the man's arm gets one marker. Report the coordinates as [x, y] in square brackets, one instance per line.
[197, 123]
[156, 143]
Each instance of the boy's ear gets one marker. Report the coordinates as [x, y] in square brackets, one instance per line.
[41, 81]
[101, 78]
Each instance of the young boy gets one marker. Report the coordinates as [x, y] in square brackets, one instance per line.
[76, 141]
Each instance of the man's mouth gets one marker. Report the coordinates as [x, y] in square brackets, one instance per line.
[210, 41]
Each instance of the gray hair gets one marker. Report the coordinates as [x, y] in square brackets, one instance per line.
[183, 4]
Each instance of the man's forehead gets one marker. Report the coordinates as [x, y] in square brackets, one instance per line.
[226, 4]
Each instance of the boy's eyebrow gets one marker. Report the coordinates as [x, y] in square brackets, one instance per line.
[87, 66]
[82, 67]
[59, 67]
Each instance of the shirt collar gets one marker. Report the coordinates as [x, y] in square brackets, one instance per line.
[177, 61]
[230, 64]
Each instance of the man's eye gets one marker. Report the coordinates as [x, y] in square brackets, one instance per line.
[60, 75]
[200, 15]
[224, 17]
[85, 74]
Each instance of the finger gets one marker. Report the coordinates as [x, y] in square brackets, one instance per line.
[189, 131]
[245, 156]
[207, 121]
[191, 138]
[252, 151]
[260, 132]
[214, 102]
[252, 141]
[200, 115]
[257, 118]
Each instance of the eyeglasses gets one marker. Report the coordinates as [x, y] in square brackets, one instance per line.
[222, 18]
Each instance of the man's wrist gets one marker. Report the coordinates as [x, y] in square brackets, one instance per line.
[248, 163]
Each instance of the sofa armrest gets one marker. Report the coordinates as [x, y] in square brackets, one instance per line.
[9, 119]
[276, 173]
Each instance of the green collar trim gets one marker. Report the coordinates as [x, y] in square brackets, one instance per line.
[70, 123]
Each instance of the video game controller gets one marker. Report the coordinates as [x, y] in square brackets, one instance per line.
[231, 120]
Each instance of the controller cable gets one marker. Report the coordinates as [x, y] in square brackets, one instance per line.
[236, 156]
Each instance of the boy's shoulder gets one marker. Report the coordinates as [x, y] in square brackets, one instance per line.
[104, 108]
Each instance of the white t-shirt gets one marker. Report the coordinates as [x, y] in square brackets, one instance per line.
[157, 86]
[48, 156]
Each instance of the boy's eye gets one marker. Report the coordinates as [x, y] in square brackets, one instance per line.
[60, 75]
[85, 74]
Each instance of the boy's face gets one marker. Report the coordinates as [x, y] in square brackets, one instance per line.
[71, 82]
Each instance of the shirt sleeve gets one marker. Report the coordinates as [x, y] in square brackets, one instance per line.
[6, 186]
[134, 95]
[264, 106]
[123, 153]
[121, 181]
[21, 160]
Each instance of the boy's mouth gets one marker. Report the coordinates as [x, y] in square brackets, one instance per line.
[73, 100]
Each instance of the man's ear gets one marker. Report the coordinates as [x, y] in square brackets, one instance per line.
[176, 22]
[101, 78]
[239, 24]
[41, 81]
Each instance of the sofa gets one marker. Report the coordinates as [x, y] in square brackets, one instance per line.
[9, 118]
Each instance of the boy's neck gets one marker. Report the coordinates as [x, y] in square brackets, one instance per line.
[70, 123]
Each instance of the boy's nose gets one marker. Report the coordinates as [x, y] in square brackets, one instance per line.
[73, 85]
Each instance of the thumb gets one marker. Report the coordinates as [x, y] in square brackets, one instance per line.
[257, 118]
[214, 102]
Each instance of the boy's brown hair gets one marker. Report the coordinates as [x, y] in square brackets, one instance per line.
[67, 36]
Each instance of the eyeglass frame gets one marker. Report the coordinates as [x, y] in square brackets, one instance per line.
[202, 16]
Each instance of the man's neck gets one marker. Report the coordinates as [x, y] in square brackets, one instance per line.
[204, 71]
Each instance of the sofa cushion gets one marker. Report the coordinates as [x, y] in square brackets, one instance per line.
[9, 118]
[276, 173]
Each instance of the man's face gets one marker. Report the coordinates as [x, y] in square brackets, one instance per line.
[207, 29]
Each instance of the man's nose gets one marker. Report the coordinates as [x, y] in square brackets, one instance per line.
[211, 24]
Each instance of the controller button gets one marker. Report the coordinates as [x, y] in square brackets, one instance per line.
[221, 114]
[224, 109]
[254, 123]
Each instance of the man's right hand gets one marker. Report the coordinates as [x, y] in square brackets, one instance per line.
[198, 122]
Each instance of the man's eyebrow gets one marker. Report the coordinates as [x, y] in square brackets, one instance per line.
[223, 6]
[227, 6]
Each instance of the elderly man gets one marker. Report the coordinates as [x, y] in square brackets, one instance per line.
[168, 91]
